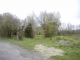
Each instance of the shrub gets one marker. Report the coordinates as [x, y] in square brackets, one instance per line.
[29, 33]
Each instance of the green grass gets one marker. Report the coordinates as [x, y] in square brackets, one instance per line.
[30, 43]
[72, 52]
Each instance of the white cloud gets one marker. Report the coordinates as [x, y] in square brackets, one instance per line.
[67, 8]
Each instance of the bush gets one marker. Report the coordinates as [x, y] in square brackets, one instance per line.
[29, 33]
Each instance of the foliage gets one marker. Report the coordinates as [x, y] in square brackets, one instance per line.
[9, 25]
[69, 30]
[29, 33]
[50, 23]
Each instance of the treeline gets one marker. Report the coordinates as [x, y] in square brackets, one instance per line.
[69, 29]
[47, 24]
[12, 27]
[9, 25]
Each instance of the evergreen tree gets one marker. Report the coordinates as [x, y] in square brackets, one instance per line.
[29, 33]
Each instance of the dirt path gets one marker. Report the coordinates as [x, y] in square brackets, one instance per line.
[9, 51]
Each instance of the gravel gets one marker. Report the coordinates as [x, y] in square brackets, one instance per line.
[48, 52]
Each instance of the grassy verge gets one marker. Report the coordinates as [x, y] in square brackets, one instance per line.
[72, 51]
[30, 43]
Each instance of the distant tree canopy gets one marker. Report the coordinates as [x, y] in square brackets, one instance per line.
[69, 29]
[46, 23]
[11, 25]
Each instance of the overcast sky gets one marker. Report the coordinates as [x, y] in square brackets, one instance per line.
[69, 9]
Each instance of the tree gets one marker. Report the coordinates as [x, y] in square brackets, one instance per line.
[50, 23]
[9, 25]
[29, 33]
[67, 29]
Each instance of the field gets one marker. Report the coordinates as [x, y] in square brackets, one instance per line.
[70, 44]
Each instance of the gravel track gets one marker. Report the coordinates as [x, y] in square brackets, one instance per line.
[10, 51]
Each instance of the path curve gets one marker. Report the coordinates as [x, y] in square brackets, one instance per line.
[10, 51]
